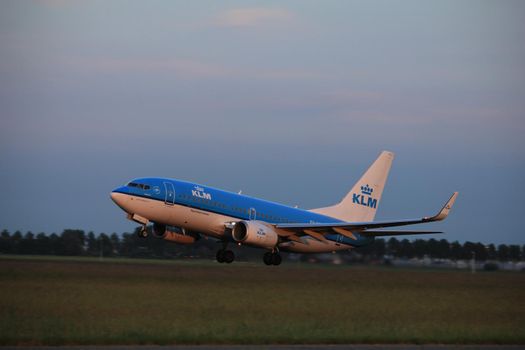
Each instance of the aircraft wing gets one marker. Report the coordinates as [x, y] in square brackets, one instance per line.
[396, 233]
[364, 228]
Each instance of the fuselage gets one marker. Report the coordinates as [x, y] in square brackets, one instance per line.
[209, 210]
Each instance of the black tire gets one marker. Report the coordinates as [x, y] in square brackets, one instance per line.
[143, 234]
[276, 259]
[267, 258]
[228, 256]
[220, 255]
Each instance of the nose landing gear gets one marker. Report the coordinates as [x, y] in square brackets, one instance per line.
[143, 233]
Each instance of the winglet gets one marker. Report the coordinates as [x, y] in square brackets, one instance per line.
[443, 213]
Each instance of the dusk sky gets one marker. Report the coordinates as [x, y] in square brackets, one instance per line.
[285, 100]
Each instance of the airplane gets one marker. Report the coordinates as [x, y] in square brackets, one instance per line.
[182, 211]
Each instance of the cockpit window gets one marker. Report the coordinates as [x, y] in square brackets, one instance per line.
[143, 186]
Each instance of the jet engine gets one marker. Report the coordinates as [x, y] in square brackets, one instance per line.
[255, 233]
[182, 237]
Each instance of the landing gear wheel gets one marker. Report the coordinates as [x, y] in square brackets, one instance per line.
[276, 259]
[228, 256]
[272, 258]
[143, 233]
[220, 256]
[267, 258]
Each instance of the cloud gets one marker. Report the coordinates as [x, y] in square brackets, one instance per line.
[253, 17]
[181, 67]
[187, 68]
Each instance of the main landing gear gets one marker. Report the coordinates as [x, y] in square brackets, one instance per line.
[225, 256]
[143, 233]
[272, 258]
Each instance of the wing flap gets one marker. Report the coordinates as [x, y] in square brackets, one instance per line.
[396, 233]
[344, 233]
[315, 235]
[294, 238]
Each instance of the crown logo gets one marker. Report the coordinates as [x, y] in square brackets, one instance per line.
[366, 190]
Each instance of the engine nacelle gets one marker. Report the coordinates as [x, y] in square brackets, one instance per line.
[161, 231]
[255, 233]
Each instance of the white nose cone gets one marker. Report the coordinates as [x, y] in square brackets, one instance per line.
[117, 198]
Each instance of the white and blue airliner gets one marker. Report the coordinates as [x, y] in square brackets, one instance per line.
[182, 211]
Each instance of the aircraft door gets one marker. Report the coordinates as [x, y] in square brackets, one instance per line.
[253, 214]
[170, 193]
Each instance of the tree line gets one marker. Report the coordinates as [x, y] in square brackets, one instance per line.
[79, 243]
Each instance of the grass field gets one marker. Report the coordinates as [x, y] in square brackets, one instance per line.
[84, 301]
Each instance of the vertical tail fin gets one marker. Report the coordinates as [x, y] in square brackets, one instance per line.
[361, 203]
